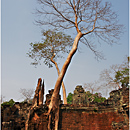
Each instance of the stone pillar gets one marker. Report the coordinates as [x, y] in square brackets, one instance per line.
[39, 93]
[42, 90]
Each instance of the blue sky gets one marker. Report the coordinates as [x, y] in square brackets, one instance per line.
[18, 30]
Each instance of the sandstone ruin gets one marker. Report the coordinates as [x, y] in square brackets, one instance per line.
[113, 114]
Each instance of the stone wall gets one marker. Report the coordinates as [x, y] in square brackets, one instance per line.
[13, 118]
[113, 114]
[91, 118]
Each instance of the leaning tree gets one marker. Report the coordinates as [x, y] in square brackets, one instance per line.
[54, 45]
[92, 20]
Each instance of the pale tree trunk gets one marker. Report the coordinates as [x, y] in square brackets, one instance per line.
[53, 106]
[64, 93]
[63, 86]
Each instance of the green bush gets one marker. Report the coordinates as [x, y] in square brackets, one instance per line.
[69, 98]
[10, 102]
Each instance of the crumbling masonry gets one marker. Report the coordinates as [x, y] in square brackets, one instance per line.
[113, 114]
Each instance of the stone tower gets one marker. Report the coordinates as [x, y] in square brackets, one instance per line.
[79, 96]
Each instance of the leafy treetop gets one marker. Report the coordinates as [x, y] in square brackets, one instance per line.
[53, 44]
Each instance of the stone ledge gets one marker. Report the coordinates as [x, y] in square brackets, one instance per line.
[90, 109]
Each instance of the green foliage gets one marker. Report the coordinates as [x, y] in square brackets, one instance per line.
[88, 94]
[53, 44]
[122, 75]
[10, 102]
[91, 97]
[97, 97]
[69, 98]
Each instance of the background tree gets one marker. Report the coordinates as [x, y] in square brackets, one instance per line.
[107, 77]
[116, 76]
[27, 94]
[91, 19]
[95, 97]
[122, 75]
[69, 98]
[53, 46]
[98, 98]
[92, 87]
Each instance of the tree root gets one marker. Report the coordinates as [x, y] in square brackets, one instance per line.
[53, 116]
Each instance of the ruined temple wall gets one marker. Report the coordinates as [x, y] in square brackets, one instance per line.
[113, 114]
[74, 117]
[92, 119]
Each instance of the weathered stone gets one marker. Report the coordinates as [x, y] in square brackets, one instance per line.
[78, 89]
[113, 114]
[39, 93]
[79, 96]
[48, 97]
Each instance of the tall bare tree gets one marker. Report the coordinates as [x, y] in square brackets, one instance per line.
[92, 19]
[52, 47]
